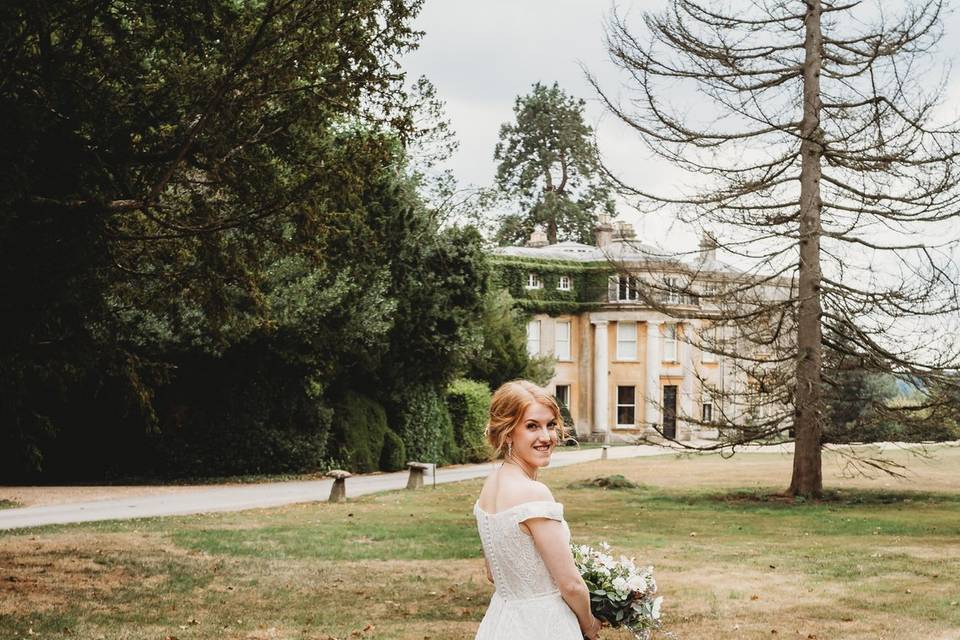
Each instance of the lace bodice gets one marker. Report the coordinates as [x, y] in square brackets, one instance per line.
[518, 571]
[526, 604]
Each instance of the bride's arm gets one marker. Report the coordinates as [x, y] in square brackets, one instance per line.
[551, 541]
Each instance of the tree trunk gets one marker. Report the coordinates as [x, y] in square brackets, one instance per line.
[552, 231]
[807, 477]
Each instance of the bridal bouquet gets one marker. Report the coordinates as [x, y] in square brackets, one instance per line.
[621, 593]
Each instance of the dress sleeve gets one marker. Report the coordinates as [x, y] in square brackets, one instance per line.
[540, 509]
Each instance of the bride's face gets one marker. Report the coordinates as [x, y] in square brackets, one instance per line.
[536, 436]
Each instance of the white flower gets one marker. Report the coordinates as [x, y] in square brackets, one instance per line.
[655, 612]
[605, 546]
[637, 583]
[623, 589]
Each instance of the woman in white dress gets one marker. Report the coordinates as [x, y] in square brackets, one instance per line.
[526, 542]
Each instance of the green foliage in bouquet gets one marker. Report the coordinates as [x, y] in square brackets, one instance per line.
[621, 593]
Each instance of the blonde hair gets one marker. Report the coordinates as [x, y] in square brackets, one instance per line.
[507, 407]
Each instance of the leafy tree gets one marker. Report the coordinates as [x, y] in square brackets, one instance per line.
[195, 219]
[549, 168]
[855, 400]
[501, 354]
[815, 151]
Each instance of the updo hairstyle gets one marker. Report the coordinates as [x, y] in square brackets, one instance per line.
[507, 407]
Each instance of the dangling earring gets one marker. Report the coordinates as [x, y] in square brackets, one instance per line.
[509, 450]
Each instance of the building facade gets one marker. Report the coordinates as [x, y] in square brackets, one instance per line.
[626, 364]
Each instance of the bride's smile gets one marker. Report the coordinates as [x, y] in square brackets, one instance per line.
[534, 441]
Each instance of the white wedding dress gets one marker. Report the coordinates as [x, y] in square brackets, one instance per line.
[526, 604]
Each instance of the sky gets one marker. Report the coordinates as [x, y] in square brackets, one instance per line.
[481, 55]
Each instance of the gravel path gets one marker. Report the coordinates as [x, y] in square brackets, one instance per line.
[86, 504]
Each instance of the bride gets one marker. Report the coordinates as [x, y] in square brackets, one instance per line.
[526, 542]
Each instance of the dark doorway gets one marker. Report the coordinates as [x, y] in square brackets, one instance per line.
[670, 411]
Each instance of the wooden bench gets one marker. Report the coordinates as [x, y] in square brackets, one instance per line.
[417, 469]
[338, 493]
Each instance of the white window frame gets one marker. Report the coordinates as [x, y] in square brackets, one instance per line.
[672, 295]
[564, 284]
[710, 340]
[632, 406]
[624, 349]
[561, 347]
[670, 343]
[706, 412]
[534, 281]
[556, 394]
[710, 290]
[627, 285]
[533, 338]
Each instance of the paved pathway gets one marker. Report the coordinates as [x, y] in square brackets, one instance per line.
[269, 494]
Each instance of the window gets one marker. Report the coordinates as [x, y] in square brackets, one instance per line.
[626, 406]
[561, 341]
[534, 281]
[764, 406]
[669, 343]
[562, 394]
[626, 288]
[626, 340]
[672, 294]
[564, 284]
[707, 412]
[709, 341]
[533, 337]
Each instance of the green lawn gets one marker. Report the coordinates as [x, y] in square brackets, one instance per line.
[8, 504]
[879, 559]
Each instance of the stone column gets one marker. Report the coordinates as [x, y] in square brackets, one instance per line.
[687, 407]
[601, 421]
[584, 375]
[652, 392]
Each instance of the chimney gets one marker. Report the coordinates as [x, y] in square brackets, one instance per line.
[603, 232]
[708, 248]
[623, 231]
[537, 239]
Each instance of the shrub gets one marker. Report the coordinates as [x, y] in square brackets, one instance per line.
[424, 425]
[469, 404]
[359, 432]
[223, 417]
[568, 424]
[394, 454]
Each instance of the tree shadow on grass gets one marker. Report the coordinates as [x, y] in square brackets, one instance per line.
[831, 497]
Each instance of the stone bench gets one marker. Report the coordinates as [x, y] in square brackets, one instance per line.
[417, 469]
[338, 493]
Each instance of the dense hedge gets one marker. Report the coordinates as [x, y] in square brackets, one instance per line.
[469, 405]
[423, 422]
[224, 417]
[363, 442]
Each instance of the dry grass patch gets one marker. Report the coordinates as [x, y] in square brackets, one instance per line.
[868, 564]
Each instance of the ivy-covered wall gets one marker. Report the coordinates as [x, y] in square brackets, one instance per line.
[588, 282]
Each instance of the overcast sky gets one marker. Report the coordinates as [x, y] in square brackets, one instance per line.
[481, 55]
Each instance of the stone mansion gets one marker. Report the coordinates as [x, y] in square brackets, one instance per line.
[623, 366]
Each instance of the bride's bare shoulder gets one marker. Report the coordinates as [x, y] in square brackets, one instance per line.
[505, 490]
